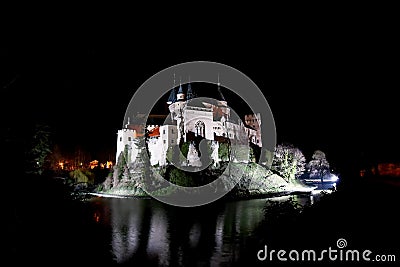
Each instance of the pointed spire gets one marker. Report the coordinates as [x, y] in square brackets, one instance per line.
[190, 93]
[219, 90]
[180, 96]
[180, 91]
[127, 124]
[172, 95]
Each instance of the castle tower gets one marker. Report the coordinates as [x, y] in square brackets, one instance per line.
[180, 96]
[125, 139]
[190, 94]
[177, 103]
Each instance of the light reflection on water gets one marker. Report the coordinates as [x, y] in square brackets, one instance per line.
[144, 230]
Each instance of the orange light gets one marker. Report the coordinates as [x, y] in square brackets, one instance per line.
[109, 164]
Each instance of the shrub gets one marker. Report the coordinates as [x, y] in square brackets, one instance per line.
[179, 177]
[82, 176]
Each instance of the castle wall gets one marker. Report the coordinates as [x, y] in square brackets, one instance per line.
[125, 137]
[158, 146]
[168, 135]
[193, 116]
[234, 131]
[158, 152]
[254, 121]
[219, 128]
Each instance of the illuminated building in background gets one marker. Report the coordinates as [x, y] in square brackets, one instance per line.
[93, 164]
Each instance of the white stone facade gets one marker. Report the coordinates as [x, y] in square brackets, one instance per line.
[190, 121]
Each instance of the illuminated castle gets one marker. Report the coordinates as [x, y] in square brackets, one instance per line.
[190, 118]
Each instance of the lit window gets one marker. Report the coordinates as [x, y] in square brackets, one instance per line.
[200, 129]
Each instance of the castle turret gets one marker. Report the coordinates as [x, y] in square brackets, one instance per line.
[172, 97]
[190, 92]
[125, 140]
[180, 96]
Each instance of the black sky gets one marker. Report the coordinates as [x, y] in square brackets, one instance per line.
[332, 90]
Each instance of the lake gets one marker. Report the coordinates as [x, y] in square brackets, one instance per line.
[148, 231]
[47, 228]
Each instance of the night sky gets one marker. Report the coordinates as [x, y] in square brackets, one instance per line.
[333, 91]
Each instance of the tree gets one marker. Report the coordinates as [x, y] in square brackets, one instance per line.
[55, 158]
[255, 152]
[81, 176]
[223, 151]
[181, 178]
[142, 163]
[205, 152]
[39, 149]
[185, 148]
[121, 167]
[288, 162]
[174, 155]
[319, 165]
